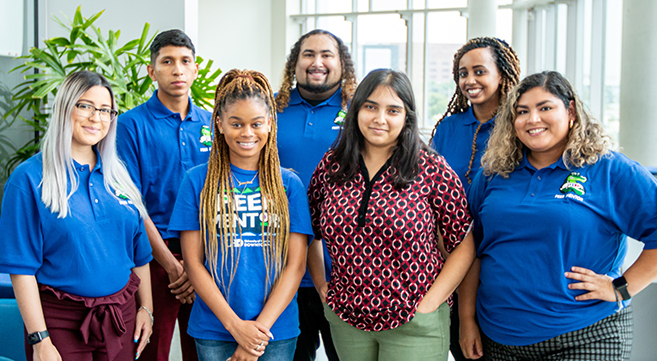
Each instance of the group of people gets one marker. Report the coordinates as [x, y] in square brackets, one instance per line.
[318, 210]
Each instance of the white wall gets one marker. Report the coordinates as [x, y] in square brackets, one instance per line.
[236, 34]
[128, 16]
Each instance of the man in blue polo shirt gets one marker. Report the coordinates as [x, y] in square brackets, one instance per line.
[159, 141]
[309, 120]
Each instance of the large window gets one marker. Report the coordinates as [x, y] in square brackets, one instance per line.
[579, 38]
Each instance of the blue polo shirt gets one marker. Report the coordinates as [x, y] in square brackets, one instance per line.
[247, 292]
[305, 133]
[158, 148]
[88, 253]
[537, 224]
[453, 140]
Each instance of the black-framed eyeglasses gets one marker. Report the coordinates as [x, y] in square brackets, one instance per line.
[86, 110]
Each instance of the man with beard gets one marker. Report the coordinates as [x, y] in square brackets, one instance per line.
[310, 116]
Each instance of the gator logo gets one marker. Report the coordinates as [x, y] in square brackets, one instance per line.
[120, 194]
[339, 119]
[573, 183]
[206, 136]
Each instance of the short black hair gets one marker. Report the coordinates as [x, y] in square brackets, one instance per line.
[173, 37]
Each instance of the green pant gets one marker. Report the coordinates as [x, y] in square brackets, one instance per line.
[424, 337]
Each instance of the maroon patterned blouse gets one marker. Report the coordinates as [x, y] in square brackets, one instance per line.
[383, 241]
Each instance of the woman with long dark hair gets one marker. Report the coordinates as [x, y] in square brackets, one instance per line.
[380, 200]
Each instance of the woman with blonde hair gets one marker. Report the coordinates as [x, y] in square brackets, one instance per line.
[73, 235]
[553, 207]
[247, 254]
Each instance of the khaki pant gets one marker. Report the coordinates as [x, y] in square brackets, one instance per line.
[424, 337]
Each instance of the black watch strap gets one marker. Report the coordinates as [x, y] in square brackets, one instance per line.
[620, 285]
[36, 337]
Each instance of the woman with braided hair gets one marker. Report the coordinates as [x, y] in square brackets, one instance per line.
[485, 70]
[244, 224]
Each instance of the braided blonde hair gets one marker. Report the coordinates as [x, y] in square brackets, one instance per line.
[218, 233]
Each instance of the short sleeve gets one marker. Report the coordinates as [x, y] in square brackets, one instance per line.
[298, 206]
[22, 238]
[316, 193]
[634, 208]
[185, 215]
[448, 202]
[476, 198]
[143, 251]
[128, 148]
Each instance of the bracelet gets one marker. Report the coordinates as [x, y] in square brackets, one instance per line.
[153, 319]
[618, 301]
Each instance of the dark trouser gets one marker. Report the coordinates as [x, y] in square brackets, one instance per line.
[166, 310]
[454, 345]
[90, 328]
[609, 339]
[312, 322]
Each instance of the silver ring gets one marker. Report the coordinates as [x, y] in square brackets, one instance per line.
[260, 345]
[148, 340]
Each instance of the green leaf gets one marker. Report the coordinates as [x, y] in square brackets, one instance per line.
[85, 47]
[59, 41]
[143, 88]
[77, 18]
[43, 91]
[71, 56]
[92, 19]
[142, 39]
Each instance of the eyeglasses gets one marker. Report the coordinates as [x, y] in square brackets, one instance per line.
[88, 111]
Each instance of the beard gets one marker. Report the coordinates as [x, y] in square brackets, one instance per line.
[318, 88]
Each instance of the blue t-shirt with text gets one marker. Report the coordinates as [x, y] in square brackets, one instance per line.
[251, 283]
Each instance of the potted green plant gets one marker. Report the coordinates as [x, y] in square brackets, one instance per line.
[86, 48]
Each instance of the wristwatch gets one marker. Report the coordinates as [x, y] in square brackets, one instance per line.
[620, 285]
[36, 337]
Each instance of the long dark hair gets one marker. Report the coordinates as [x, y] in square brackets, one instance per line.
[351, 141]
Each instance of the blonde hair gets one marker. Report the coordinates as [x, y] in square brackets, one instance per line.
[217, 233]
[586, 139]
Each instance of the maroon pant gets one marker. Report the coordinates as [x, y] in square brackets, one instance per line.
[166, 310]
[91, 328]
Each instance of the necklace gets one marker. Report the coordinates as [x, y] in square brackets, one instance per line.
[240, 184]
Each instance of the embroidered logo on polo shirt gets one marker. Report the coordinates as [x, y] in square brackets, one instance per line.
[206, 136]
[123, 198]
[339, 119]
[573, 183]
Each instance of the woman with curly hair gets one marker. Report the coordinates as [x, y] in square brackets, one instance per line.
[244, 226]
[553, 207]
